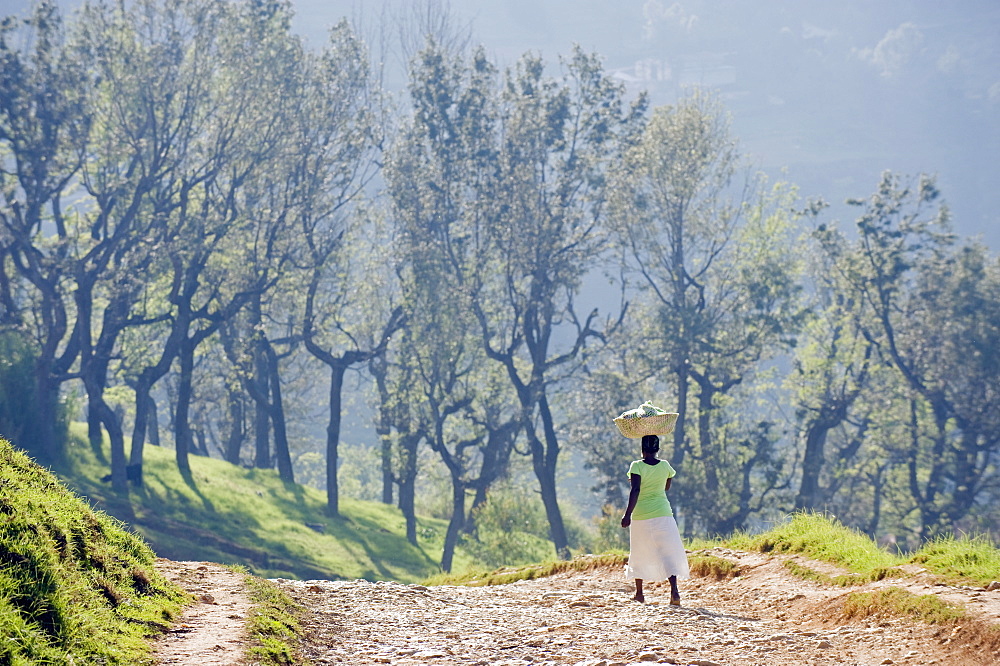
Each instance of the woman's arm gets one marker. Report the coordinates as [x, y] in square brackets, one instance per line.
[667, 487]
[633, 497]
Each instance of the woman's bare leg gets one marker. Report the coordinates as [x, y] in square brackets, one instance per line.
[675, 596]
[638, 590]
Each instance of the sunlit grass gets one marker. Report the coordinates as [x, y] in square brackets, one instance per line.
[897, 602]
[505, 575]
[232, 515]
[969, 560]
[840, 580]
[820, 537]
[965, 559]
[710, 566]
[75, 585]
[273, 623]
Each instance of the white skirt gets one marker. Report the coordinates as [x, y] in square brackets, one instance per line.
[655, 550]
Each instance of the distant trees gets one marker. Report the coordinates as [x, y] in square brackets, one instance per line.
[45, 123]
[201, 218]
[501, 191]
[720, 297]
[926, 307]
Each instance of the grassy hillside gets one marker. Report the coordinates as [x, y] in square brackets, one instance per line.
[75, 587]
[232, 515]
[964, 560]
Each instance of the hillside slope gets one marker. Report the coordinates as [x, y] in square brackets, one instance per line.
[232, 515]
[75, 586]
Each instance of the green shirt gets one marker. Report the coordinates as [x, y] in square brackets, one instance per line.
[652, 502]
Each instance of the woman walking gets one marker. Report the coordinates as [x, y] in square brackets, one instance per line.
[655, 549]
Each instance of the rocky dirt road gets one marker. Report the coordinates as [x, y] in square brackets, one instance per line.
[211, 631]
[765, 616]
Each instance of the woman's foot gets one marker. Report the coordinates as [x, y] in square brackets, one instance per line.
[675, 600]
[638, 591]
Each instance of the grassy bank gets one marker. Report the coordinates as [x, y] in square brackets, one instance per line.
[232, 515]
[75, 586]
[966, 560]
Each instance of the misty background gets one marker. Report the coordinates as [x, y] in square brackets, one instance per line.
[829, 93]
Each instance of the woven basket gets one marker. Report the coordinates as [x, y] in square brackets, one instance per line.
[636, 428]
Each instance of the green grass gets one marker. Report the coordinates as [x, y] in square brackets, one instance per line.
[273, 624]
[231, 515]
[710, 566]
[971, 560]
[822, 538]
[840, 580]
[897, 602]
[478, 577]
[965, 560]
[75, 586]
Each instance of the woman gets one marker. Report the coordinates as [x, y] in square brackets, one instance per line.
[656, 552]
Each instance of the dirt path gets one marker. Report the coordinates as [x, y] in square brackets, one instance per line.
[211, 631]
[765, 616]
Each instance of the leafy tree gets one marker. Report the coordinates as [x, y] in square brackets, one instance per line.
[399, 453]
[44, 127]
[145, 131]
[921, 299]
[18, 401]
[334, 158]
[207, 69]
[723, 291]
[559, 140]
[457, 405]
[509, 183]
[831, 372]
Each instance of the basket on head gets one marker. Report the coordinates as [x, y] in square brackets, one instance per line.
[640, 426]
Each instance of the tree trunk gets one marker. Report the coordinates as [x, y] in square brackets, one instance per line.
[119, 464]
[262, 423]
[383, 429]
[496, 457]
[277, 412]
[408, 484]
[147, 424]
[152, 424]
[139, 428]
[544, 459]
[455, 524]
[706, 396]
[337, 371]
[47, 392]
[235, 442]
[95, 435]
[812, 464]
[877, 485]
[677, 456]
[385, 440]
[201, 439]
[182, 426]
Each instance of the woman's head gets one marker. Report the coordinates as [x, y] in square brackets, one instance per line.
[650, 444]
